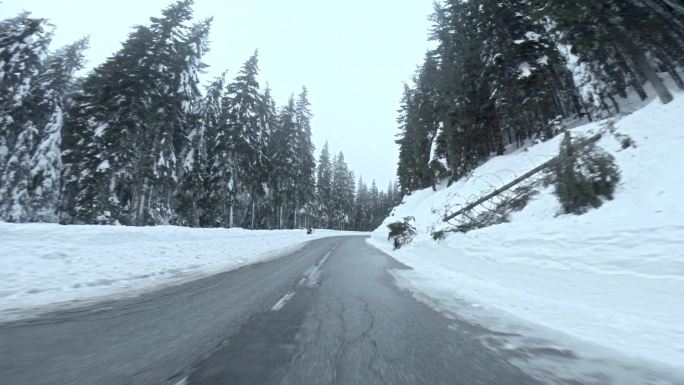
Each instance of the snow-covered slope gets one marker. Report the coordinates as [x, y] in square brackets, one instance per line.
[43, 266]
[613, 277]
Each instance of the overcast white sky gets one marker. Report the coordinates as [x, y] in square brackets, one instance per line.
[352, 55]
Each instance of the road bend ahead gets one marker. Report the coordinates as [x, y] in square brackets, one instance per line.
[326, 314]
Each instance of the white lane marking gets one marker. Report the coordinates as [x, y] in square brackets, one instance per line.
[99, 309]
[325, 258]
[312, 275]
[183, 381]
[281, 302]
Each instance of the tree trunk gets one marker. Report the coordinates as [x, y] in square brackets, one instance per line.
[195, 214]
[253, 207]
[140, 203]
[604, 105]
[644, 66]
[230, 215]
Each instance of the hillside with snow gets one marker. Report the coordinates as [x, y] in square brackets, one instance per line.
[612, 278]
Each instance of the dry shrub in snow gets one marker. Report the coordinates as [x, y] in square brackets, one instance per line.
[401, 233]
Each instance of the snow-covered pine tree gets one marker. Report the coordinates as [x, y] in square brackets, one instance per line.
[391, 197]
[242, 105]
[50, 95]
[361, 206]
[305, 166]
[23, 46]
[199, 199]
[265, 213]
[343, 191]
[283, 156]
[374, 203]
[381, 210]
[427, 118]
[324, 187]
[17, 175]
[177, 58]
[529, 83]
[221, 174]
[502, 73]
[407, 167]
[634, 41]
[125, 130]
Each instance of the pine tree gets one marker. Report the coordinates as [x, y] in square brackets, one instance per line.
[135, 142]
[50, 97]
[242, 104]
[343, 193]
[504, 73]
[17, 176]
[200, 193]
[305, 165]
[374, 203]
[409, 169]
[324, 191]
[283, 156]
[619, 50]
[361, 207]
[268, 116]
[126, 129]
[23, 45]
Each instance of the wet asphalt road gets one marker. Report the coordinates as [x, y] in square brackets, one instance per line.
[326, 314]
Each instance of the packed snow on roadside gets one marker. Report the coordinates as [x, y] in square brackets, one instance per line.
[48, 266]
[612, 278]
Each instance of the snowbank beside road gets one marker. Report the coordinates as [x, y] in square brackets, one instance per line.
[613, 277]
[43, 266]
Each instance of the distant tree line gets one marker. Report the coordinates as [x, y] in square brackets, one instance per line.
[136, 142]
[343, 204]
[505, 72]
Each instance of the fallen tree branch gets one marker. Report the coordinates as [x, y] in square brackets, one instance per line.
[514, 182]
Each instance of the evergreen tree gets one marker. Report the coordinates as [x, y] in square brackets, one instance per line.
[269, 121]
[23, 46]
[343, 193]
[200, 196]
[246, 133]
[410, 169]
[305, 165]
[126, 130]
[283, 156]
[49, 97]
[361, 207]
[136, 143]
[324, 192]
[630, 32]
[504, 73]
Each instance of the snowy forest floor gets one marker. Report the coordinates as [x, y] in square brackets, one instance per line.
[48, 266]
[611, 280]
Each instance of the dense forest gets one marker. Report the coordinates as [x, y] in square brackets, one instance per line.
[138, 141]
[504, 73]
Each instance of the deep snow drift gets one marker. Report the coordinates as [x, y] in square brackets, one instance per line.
[46, 266]
[612, 278]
